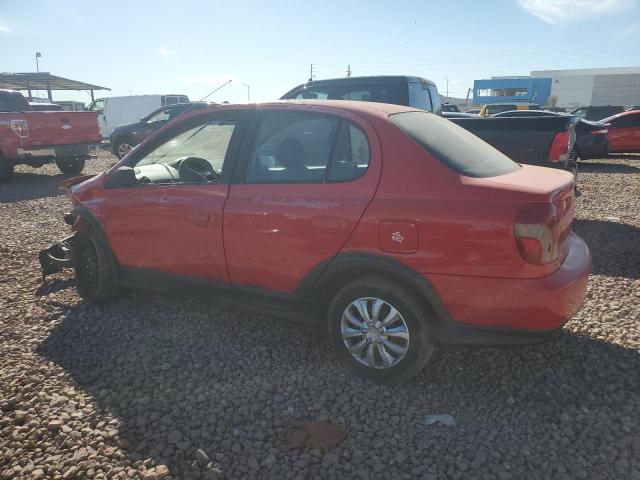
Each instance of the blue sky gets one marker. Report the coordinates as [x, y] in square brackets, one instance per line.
[193, 46]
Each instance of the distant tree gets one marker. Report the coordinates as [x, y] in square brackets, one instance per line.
[553, 101]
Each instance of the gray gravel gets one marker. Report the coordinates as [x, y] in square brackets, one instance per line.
[150, 387]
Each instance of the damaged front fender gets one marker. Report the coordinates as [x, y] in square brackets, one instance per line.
[58, 256]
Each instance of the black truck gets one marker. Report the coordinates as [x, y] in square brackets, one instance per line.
[543, 141]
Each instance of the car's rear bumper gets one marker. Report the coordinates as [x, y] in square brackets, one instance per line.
[510, 311]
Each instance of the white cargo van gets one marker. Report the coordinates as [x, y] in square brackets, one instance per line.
[116, 111]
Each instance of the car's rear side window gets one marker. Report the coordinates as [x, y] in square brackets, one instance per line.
[453, 145]
[302, 147]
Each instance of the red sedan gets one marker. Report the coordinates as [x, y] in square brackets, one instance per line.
[394, 226]
[624, 132]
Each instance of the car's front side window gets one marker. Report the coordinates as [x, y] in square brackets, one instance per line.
[196, 155]
[294, 147]
[161, 116]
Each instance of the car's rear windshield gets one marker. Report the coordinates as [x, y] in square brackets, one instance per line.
[453, 145]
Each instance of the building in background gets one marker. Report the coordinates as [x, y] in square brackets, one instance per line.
[512, 89]
[568, 88]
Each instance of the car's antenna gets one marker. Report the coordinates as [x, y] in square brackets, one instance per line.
[224, 84]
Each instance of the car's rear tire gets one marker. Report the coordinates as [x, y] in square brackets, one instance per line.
[370, 339]
[6, 169]
[95, 281]
[123, 146]
[71, 166]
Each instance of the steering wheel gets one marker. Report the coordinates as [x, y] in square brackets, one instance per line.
[197, 170]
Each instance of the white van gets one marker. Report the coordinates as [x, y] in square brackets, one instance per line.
[116, 111]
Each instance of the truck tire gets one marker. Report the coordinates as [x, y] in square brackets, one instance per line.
[380, 329]
[6, 169]
[71, 166]
[95, 281]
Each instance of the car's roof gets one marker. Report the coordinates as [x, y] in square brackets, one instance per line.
[618, 115]
[357, 107]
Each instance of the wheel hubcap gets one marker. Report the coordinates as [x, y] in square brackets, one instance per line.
[374, 332]
[123, 149]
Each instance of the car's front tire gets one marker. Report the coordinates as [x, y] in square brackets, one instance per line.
[123, 146]
[380, 329]
[71, 166]
[95, 281]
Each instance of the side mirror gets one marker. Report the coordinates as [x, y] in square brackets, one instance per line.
[100, 111]
[123, 177]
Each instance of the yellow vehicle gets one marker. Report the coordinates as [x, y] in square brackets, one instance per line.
[493, 108]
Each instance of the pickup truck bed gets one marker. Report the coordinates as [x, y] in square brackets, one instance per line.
[525, 139]
[35, 138]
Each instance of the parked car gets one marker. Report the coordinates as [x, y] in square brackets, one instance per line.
[592, 139]
[399, 90]
[390, 225]
[493, 108]
[116, 111]
[449, 107]
[546, 142]
[596, 113]
[36, 138]
[125, 137]
[44, 107]
[624, 132]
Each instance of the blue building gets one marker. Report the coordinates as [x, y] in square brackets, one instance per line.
[512, 89]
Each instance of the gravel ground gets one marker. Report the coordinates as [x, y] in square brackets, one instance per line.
[152, 387]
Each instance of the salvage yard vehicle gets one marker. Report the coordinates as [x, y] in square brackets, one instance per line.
[624, 132]
[546, 142]
[592, 139]
[36, 138]
[395, 227]
[125, 137]
[116, 111]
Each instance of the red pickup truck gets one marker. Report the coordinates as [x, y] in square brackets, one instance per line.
[35, 138]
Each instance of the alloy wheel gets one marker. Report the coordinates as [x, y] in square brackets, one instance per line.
[374, 332]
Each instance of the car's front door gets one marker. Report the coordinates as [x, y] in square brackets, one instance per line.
[307, 180]
[170, 222]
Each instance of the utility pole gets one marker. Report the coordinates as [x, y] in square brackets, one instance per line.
[38, 55]
[447, 78]
[311, 73]
[349, 71]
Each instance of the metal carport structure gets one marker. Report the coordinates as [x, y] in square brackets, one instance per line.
[44, 81]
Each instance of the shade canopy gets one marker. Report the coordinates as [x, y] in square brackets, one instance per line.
[43, 81]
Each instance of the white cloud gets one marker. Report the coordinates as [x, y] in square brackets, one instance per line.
[557, 12]
[164, 51]
[4, 29]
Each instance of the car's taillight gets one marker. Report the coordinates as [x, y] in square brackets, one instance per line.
[20, 128]
[599, 132]
[537, 230]
[560, 147]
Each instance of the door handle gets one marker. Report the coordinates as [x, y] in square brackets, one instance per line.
[199, 218]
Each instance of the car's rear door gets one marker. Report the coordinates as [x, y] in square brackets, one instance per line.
[172, 224]
[306, 181]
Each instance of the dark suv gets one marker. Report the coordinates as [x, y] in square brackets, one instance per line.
[399, 90]
[125, 137]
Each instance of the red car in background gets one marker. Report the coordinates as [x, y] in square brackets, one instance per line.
[397, 228]
[624, 132]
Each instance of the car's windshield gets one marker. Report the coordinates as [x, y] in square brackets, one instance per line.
[454, 146]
